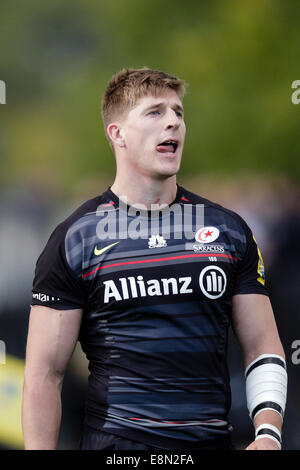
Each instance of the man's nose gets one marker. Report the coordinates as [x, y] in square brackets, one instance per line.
[172, 120]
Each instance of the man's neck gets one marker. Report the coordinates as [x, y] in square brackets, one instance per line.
[146, 191]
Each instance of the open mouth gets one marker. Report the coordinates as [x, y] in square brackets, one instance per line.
[168, 146]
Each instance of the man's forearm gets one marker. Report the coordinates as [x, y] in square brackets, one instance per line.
[268, 416]
[41, 413]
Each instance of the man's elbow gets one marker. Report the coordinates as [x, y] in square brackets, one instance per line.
[36, 380]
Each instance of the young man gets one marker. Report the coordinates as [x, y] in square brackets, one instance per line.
[150, 295]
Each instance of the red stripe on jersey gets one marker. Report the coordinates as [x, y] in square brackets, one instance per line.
[161, 259]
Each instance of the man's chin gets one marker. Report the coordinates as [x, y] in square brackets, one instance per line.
[163, 169]
[169, 170]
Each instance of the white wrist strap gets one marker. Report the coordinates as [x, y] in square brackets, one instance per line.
[266, 384]
[270, 432]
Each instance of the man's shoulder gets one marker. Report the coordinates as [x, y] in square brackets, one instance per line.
[85, 212]
[193, 198]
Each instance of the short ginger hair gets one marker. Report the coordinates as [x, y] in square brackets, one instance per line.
[129, 85]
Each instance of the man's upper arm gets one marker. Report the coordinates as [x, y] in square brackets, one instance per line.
[252, 315]
[254, 325]
[52, 337]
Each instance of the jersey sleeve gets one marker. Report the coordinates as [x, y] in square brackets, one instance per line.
[55, 285]
[250, 277]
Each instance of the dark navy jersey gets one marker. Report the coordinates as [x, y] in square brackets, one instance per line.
[156, 292]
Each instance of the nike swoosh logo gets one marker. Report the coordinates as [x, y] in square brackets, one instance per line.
[99, 252]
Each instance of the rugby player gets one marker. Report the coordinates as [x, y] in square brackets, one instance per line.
[151, 311]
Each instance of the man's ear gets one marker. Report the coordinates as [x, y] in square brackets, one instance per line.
[115, 133]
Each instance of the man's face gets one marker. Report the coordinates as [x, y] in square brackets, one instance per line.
[154, 133]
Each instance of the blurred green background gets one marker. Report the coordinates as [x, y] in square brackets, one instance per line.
[239, 59]
[242, 145]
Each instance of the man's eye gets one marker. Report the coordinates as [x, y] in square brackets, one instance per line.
[154, 112]
[179, 114]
